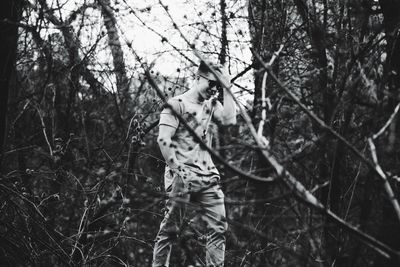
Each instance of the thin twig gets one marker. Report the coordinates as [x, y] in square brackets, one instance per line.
[44, 130]
[79, 234]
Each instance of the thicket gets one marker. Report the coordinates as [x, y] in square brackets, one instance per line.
[81, 174]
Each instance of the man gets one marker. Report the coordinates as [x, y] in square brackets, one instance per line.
[190, 174]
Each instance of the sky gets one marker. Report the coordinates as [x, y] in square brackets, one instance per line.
[185, 14]
[142, 22]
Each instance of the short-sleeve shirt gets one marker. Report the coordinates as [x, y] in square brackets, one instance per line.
[200, 118]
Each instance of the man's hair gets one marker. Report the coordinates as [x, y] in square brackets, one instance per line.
[204, 69]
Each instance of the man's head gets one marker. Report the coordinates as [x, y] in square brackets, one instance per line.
[207, 82]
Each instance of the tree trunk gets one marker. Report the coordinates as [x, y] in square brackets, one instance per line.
[323, 104]
[9, 15]
[267, 27]
[115, 46]
[63, 110]
[391, 21]
[390, 226]
[222, 59]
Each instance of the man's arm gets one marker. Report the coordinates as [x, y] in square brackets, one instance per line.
[167, 148]
[229, 109]
[227, 113]
[167, 128]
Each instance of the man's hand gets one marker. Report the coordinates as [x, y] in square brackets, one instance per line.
[223, 75]
[227, 114]
[225, 78]
[177, 168]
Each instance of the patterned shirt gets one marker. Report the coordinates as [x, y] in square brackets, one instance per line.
[200, 117]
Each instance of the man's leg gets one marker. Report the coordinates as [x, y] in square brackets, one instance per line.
[169, 227]
[213, 208]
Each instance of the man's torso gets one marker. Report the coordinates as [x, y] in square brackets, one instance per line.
[189, 151]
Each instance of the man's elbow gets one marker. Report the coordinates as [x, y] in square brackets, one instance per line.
[228, 121]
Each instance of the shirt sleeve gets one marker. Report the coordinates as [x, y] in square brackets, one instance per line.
[167, 117]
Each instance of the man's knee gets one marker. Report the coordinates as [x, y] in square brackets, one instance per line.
[218, 227]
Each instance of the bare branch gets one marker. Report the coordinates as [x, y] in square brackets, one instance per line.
[44, 131]
[389, 121]
[265, 100]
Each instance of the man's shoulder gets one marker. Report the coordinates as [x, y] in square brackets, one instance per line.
[177, 103]
[177, 99]
[181, 100]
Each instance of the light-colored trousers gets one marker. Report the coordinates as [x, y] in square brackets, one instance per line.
[206, 195]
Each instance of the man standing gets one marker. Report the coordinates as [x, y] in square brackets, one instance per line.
[190, 175]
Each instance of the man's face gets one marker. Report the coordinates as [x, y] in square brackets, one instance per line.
[207, 87]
